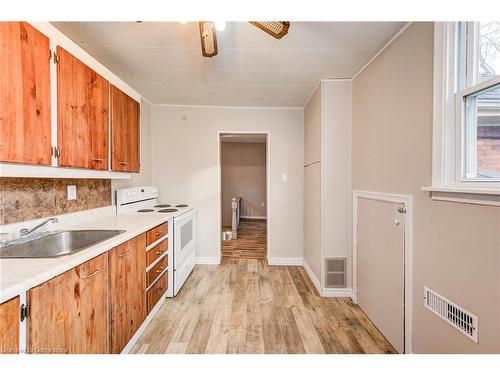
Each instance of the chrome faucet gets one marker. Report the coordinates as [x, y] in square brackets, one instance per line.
[26, 231]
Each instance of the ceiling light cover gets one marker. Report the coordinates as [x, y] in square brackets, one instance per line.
[208, 39]
[220, 25]
[277, 29]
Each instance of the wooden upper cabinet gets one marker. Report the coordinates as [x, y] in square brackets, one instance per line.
[125, 132]
[127, 285]
[69, 313]
[9, 326]
[24, 94]
[83, 114]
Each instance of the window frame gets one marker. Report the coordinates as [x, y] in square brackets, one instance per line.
[454, 80]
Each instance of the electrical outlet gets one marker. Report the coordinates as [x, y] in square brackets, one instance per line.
[71, 192]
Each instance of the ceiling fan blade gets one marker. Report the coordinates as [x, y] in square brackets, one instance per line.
[277, 29]
[208, 39]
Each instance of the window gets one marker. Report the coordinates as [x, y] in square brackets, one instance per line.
[467, 107]
[479, 95]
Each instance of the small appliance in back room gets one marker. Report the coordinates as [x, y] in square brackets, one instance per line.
[181, 218]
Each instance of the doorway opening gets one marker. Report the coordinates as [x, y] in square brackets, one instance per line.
[243, 195]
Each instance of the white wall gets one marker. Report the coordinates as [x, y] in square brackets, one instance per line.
[185, 145]
[336, 170]
[327, 140]
[144, 177]
[312, 185]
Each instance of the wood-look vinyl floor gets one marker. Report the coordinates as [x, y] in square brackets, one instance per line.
[251, 241]
[246, 306]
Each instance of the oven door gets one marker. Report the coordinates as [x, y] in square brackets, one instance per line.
[184, 237]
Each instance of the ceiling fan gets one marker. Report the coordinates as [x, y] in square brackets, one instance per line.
[208, 37]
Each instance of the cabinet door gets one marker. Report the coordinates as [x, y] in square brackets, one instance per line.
[69, 313]
[125, 132]
[24, 94]
[9, 326]
[83, 114]
[127, 265]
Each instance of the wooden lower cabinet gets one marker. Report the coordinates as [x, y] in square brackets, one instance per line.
[156, 233]
[156, 252]
[127, 285]
[69, 313]
[156, 291]
[9, 326]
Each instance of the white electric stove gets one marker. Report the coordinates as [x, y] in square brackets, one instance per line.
[181, 218]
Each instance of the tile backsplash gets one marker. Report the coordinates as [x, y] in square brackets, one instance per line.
[25, 199]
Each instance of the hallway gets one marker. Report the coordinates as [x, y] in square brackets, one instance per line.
[251, 241]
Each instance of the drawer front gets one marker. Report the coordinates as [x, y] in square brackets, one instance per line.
[156, 291]
[156, 233]
[156, 270]
[156, 252]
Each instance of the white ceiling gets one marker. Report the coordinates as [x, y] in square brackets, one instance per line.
[163, 61]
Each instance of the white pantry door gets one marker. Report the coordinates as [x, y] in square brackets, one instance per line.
[380, 249]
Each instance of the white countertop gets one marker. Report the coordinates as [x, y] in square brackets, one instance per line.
[19, 275]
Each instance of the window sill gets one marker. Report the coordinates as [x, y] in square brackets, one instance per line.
[479, 196]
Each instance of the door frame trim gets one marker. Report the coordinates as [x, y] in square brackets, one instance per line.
[267, 133]
[407, 200]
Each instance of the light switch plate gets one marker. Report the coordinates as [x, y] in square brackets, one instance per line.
[284, 177]
[71, 192]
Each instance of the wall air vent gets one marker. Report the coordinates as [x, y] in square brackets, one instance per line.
[455, 315]
[336, 272]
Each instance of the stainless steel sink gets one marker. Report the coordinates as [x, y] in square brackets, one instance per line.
[57, 244]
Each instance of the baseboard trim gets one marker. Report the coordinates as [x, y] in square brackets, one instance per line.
[285, 261]
[313, 277]
[336, 292]
[207, 260]
[254, 217]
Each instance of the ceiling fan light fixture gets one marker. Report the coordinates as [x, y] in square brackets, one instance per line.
[208, 39]
[220, 25]
[277, 29]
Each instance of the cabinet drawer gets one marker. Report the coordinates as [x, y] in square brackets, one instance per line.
[156, 291]
[156, 233]
[156, 252]
[157, 270]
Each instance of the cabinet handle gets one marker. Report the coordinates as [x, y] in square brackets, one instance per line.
[160, 270]
[123, 163]
[98, 160]
[159, 252]
[125, 253]
[92, 274]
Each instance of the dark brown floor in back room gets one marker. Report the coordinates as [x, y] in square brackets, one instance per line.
[246, 306]
[251, 241]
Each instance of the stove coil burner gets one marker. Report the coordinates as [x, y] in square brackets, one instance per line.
[163, 205]
[168, 210]
[146, 210]
[181, 205]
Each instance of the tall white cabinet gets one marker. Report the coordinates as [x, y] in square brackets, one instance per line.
[327, 182]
